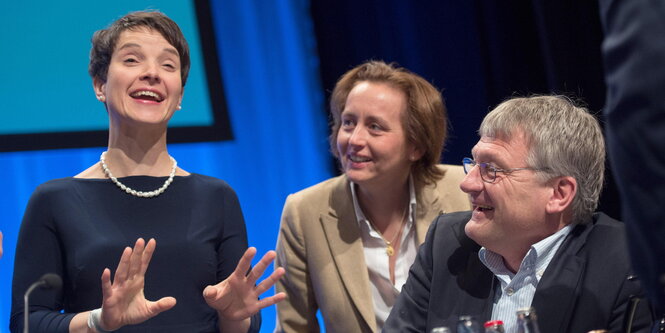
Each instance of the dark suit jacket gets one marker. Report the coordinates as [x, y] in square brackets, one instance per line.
[585, 286]
[634, 54]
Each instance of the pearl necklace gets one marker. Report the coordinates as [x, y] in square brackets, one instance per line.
[133, 192]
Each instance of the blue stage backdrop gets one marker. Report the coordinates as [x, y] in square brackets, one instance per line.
[274, 98]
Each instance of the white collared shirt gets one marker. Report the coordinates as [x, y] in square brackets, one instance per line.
[384, 293]
[517, 289]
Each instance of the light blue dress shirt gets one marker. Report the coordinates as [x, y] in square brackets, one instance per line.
[517, 289]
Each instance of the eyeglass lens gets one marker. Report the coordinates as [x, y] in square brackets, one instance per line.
[487, 173]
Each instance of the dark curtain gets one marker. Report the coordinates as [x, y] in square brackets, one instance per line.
[477, 52]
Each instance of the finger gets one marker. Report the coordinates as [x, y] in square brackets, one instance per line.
[257, 271]
[163, 304]
[245, 262]
[147, 255]
[210, 293]
[107, 288]
[270, 281]
[123, 266]
[135, 259]
[266, 302]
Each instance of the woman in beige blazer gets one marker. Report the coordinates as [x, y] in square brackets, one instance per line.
[347, 243]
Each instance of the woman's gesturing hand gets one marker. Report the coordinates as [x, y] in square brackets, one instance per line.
[237, 297]
[124, 302]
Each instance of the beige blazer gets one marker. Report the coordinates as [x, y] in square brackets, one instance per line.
[320, 246]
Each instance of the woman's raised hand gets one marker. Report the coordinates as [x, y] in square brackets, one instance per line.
[124, 302]
[237, 297]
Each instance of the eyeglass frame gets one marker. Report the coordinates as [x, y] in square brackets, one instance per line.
[469, 161]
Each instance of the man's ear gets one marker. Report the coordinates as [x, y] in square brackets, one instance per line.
[563, 192]
[98, 86]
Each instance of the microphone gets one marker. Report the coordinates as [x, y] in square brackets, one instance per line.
[47, 281]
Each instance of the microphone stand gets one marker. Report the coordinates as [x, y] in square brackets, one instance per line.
[47, 281]
[25, 303]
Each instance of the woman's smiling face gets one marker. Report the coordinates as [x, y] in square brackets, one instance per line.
[371, 141]
[143, 84]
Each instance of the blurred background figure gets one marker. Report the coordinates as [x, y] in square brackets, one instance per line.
[348, 242]
[634, 59]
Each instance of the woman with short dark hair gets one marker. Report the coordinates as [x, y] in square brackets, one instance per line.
[77, 227]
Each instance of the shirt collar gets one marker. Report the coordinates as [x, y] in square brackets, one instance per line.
[360, 216]
[539, 256]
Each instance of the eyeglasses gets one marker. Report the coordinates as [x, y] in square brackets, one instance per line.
[488, 172]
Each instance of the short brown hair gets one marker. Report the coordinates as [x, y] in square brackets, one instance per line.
[425, 122]
[104, 41]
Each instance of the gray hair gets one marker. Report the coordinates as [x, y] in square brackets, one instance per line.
[563, 139]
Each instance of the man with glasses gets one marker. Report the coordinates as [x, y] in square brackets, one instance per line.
[532, 239]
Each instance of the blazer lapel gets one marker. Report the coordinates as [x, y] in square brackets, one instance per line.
[343, 235]
[428, 208]
[556, 293]
[473, 277]
[435, 199]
